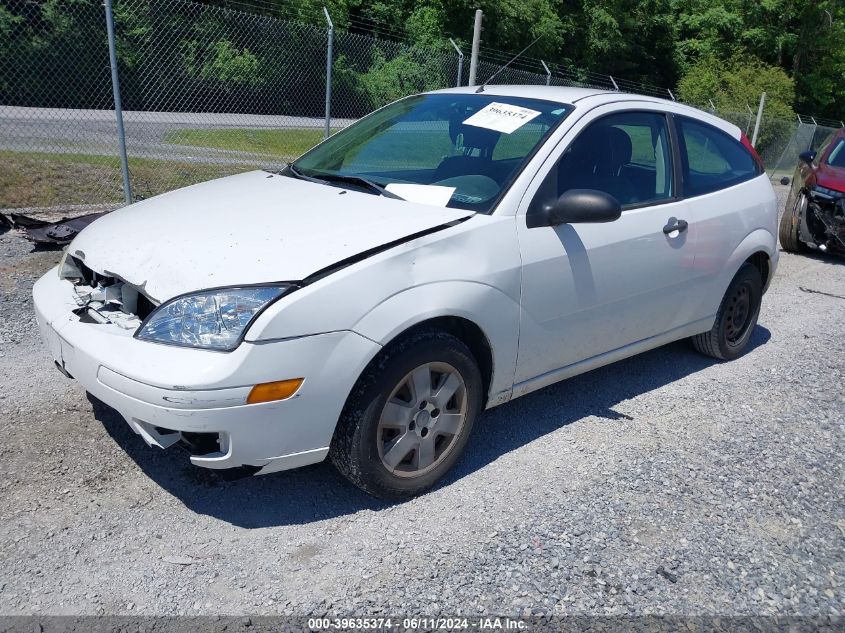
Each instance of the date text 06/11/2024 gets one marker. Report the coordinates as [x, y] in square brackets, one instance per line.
[422, 623]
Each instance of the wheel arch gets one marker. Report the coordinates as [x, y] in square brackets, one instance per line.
[483, 317]
[760, 260]
[759, 248]
[466, 331]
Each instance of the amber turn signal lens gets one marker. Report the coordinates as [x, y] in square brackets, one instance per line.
[270, 391]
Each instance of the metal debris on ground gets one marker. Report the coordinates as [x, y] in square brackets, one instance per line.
[48, 233]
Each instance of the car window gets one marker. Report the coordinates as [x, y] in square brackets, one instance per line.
[836, 158]
[712, 159]
[473, 144]
[626, 155]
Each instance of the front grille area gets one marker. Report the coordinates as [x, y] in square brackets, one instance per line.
[104, 298]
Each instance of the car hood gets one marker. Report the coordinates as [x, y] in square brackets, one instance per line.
[251, 228]
[831, 177]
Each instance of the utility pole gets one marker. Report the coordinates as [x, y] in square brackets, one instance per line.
[460, 62]
[329, 53]
[759, 118]
[118, 108]
[548, 73]
[476, 40]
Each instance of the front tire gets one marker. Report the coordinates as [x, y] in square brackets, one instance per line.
[736, 318]
[789, 223]
[409, 416]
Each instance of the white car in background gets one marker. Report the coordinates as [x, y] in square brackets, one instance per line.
[445, 254]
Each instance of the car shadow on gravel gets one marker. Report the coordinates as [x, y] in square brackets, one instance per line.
[318, 492]
[822, 258]
[594, 393]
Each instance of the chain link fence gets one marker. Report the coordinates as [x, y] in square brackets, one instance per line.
[209, 91]
[807, 134]
[58, 137]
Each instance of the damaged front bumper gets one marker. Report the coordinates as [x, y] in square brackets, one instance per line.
[822, 225]
[167, 394]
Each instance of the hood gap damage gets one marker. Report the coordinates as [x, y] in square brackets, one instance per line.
[107, 298]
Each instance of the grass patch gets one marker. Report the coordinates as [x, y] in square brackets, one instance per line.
[32, 179]
[285, 143]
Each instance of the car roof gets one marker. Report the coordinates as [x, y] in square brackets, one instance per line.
[592, 97]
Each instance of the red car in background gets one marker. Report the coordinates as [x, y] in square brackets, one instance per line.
[814, 217]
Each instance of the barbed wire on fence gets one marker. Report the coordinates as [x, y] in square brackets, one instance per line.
[213, 89]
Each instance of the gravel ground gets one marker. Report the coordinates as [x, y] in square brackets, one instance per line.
[667, 483]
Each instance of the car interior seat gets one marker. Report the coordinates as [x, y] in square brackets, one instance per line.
[595, 161]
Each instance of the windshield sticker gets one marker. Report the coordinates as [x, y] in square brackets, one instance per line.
[501, 117]
[434, 195]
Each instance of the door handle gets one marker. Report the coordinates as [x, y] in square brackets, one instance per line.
[675, 224]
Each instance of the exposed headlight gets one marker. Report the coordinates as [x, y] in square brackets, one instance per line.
[827, 193]
[210, 319]
[68, 268]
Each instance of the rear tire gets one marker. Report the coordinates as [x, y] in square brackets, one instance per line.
[409, 416]
[789, 222]
[736, 318]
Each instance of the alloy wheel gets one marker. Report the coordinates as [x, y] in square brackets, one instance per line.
[421, 419]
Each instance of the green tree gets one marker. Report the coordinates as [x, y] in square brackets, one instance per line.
[737, 85]
[735, 88]
[406, 73]
[229, 65]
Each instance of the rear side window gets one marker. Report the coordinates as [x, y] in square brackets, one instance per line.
[711, 159]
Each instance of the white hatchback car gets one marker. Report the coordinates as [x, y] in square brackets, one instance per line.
[445, 254]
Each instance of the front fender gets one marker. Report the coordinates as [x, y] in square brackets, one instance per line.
[494, 312]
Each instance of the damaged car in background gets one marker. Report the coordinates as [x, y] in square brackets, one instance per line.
[814, 216]
[443, 255]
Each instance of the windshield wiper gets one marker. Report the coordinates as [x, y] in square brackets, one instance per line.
[360, 180]
[298, 174]
[325, 179]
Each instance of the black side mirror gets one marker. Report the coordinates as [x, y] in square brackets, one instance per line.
[577, 205]
[807, 157]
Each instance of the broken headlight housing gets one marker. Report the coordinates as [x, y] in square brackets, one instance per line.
[210, 319]
[825, 192]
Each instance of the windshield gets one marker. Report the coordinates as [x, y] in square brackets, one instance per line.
[836, 158]
[457, 150]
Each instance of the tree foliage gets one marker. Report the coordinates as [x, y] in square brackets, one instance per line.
[724, 50]
[652, 41]
[735, 88]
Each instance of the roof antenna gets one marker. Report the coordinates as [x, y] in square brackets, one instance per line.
[515, 57]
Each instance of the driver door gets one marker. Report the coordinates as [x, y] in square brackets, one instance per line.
[589, 289]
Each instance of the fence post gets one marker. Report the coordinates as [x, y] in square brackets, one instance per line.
[548, 73]
[329, 72]
[118, 108]
[813, 135]
[476, 40]
[759, 118]
[460, 62]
